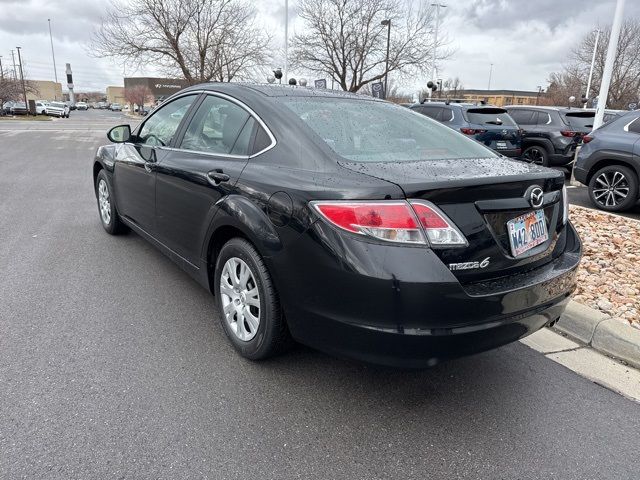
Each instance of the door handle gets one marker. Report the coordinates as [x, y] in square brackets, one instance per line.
[217, 177]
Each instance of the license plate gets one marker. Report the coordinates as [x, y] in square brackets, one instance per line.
[527, 231]
[501, 145]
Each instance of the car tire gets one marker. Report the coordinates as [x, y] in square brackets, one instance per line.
[255, 340]
[106, 206]
[536, 154]
[614, 188]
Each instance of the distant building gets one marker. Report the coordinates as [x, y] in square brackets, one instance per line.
[500, 97]
[160, 88]
[45, 90]
[115, 95]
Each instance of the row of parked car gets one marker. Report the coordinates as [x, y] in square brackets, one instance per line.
[43, 107]
[550, 136]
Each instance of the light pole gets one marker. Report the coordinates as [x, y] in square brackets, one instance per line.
[434, 74]
[24, 90]
[490, 72]
[286, 38]
[593, 61]
[53, 55]
[386, 23]
[538, 95]
[1, 70]
[608, 64]
[15, 74]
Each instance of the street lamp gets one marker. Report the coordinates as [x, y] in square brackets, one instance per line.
[490, 72]
[53, 55]
[386, 23]
[538, 95]
[593, 61]
[434, 74]
[24, 90]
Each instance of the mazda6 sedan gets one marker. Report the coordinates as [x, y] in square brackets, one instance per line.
[346, 223]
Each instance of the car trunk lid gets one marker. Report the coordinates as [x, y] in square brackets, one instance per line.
[480, 196]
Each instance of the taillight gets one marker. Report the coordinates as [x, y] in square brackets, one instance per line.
[390, 221]
[439, 229]
[393, 221]
[568, 133]
[586, 139]
[471, 131]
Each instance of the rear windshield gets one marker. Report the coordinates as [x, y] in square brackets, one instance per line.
[489, 116]
[580, 119]
[371, 131]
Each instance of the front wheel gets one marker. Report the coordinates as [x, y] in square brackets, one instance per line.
[106, 207]
[614, 188]
[536, 154]
[247, 302]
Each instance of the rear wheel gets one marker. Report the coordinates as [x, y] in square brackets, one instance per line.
[536, 154]
[614, 188]
[248, 303]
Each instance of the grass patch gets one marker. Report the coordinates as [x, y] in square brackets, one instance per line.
[28, 118]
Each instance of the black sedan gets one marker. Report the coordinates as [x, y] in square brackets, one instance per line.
[343, 222]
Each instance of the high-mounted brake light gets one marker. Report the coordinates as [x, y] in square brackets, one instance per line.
[393, 221]
[440, 231]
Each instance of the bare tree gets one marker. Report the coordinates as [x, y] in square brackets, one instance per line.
[345, 39]
[625, 81]
[199, 40]
[138, 95]
[452, 87]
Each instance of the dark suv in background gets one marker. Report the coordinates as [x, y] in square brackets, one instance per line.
[489, 125]
[551, 134]
[609, 163]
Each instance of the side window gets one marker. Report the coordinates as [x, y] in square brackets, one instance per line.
[522, 117]
[635, 126]
[160, 128]
[216, 128]
[543, 118]
[261, 141]
[446, 114]
[431, 112]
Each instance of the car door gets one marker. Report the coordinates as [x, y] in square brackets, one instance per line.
[136, 161]
[204, 167]
[634, 128]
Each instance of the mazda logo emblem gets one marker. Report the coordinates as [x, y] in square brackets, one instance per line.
[536, 197]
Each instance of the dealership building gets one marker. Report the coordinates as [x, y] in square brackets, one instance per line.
[160, 88]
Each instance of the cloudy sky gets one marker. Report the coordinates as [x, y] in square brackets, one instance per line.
[524, 39]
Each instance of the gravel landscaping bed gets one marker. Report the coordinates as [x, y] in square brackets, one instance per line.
[609, 275]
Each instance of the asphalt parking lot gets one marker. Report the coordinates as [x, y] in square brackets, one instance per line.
[114, 365]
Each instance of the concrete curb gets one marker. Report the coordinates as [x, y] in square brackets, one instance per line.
[603, 333]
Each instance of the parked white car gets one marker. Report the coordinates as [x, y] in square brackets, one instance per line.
[58, 109]
[41, 107]
[82, 106]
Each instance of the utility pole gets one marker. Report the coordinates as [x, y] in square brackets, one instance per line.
[434, 73]
[608, 64]
[593, 61]
[53, 55]
[1, 70]
[24, 89]
[490, 72]
[15, 75]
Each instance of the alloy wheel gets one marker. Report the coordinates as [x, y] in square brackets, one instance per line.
[104, 202]
[534, 155]
[240, 299]
[610, 188]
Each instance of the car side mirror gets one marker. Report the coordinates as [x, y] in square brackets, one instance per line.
[119, 134]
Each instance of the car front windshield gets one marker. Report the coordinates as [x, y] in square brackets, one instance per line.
[374, 131]
[57, 104]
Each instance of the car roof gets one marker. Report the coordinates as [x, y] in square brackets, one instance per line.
[270, 90]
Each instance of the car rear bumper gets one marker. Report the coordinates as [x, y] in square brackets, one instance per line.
[402, 306]
[511, 153]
